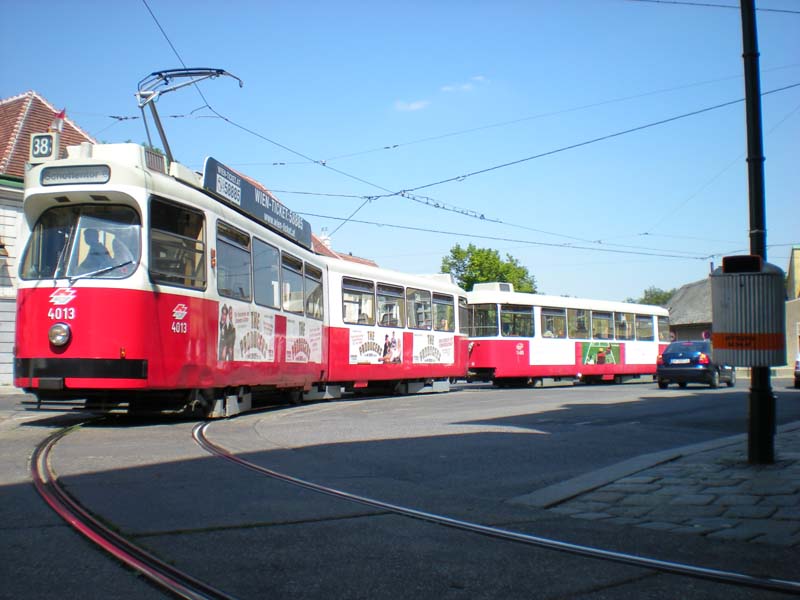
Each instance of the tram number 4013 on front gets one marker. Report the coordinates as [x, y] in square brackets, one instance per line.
[61, 313]
[180, 327]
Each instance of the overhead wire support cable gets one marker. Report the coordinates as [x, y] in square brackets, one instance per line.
[510, 240]
[552, 113]
[588, 142]
[243, 128]
[712, 5]
[407, 193]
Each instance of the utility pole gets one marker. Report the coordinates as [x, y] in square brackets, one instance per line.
[761, 428]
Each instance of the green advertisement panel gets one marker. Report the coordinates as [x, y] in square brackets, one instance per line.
[600, 353]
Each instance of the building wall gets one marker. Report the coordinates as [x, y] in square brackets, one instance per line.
[792, 331]
[10, 215]
[690, 332]
[793, 275]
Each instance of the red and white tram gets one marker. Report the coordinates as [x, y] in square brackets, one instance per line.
[392, 329]
[145, 284]
[520, 338]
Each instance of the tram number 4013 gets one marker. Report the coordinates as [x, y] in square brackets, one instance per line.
[62, 312]
[180, 327]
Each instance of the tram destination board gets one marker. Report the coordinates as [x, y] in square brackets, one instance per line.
[233, 189]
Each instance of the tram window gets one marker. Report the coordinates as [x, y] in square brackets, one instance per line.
[554, 322]
[484, 320]
[418, 308]
[292, 275]
[177, 245]
[644, 328]
[83, 241]
[463, 316]
[358, 302]
[623, 326]
[48, 244]
[444, 313]
[313, 291]
[233, 263]
[516, 320]
[578, 323]
[602, 325]
[663, 329]
[391, 305]
[266, 274]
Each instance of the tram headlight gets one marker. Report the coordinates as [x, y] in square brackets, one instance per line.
[59, 334]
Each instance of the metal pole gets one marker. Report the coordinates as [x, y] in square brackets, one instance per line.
[161, 133]
[761, 429]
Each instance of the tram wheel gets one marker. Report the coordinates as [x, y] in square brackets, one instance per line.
[199, 404]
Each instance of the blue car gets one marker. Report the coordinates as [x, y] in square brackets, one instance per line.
[690, 362]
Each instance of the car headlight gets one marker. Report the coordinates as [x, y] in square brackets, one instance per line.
[59, 334]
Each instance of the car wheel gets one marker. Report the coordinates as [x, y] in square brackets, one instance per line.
[663, 383]
[732, 380]
[797, 383]
[714, 380]
[682, 384]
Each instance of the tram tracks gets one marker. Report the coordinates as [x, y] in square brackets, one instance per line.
[183, 585]
[157, 571]
[695, 571]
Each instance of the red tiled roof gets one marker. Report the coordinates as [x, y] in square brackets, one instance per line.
[320, 247]
[22, 115]
[358, 259]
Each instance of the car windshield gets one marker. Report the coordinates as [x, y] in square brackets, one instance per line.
[676, 347]
[83, 241]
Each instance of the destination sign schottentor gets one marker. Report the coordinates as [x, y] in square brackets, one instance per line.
[256, 202]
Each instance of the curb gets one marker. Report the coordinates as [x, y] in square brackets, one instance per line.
[566, 490]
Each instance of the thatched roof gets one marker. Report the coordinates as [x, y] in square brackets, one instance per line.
[691, 304]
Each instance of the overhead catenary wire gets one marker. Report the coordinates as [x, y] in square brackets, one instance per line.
[409, 193]
[672, 254]
[713, 5]
[367, 199]
[717, 175]
[587, 142]
[552, 113]
[396, 145]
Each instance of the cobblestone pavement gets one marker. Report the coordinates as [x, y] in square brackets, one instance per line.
[714, 492]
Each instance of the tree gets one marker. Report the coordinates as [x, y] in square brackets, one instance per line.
[473, 265]
[655, 296]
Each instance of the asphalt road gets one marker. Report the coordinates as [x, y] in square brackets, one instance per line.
[465, 454]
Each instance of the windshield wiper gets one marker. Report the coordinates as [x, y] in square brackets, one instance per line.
[75, 278]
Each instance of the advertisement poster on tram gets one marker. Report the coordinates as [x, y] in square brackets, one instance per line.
[434, 348]
[600, 353]
[245, 334]
[303, 341]
[367, 347]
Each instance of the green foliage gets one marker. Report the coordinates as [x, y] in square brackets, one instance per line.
[473, 265]
[654, 296]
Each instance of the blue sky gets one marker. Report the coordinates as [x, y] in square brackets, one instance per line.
[346, 103]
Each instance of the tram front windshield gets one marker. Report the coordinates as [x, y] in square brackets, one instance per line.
[83, 241]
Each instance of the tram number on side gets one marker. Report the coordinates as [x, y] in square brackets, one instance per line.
[61, 313]
[180, 327]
